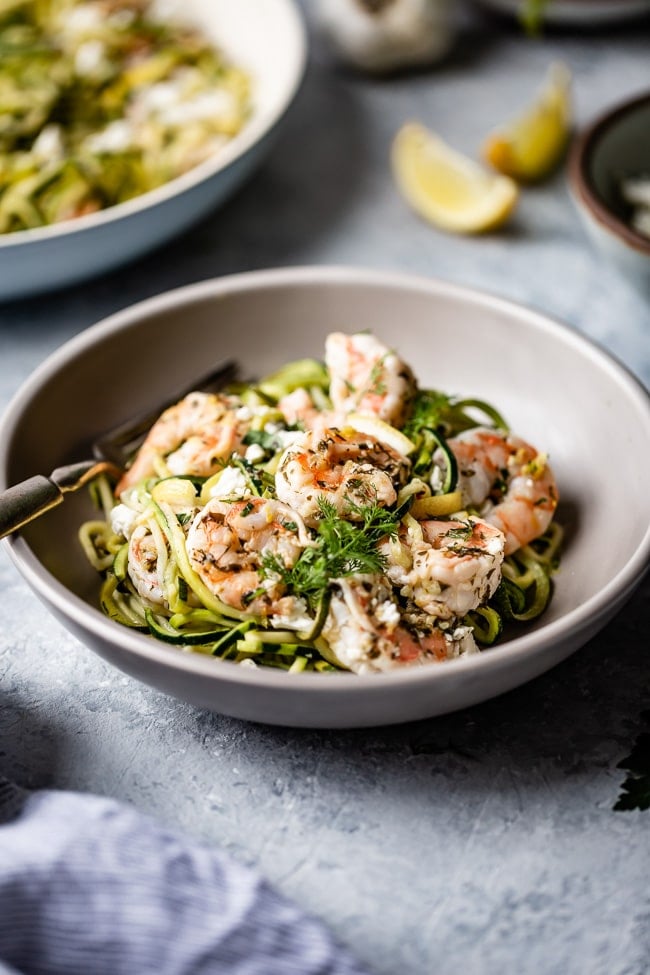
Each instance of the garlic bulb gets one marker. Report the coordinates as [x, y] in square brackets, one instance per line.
[384, 35]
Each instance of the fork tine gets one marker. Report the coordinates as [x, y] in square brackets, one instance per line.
[118, 444]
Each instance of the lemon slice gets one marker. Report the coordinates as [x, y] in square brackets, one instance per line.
[532, 145]
[446, 188]
[380, 430]
[437, 504]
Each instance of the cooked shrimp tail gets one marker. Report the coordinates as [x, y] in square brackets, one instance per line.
[508, 481]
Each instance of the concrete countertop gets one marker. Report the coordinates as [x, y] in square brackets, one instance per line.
[484, 841]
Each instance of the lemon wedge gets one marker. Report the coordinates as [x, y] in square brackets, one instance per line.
[530, 146]
[448, 189]
[380, 430]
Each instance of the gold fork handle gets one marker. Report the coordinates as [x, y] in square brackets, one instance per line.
[26, 501]
[23, 502]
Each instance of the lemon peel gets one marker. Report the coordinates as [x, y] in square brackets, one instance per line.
[380, 430]
[437, 505]
[448, 189]
[530, 146]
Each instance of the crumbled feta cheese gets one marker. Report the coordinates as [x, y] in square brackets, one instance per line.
[203, 107]
[254, 453]
[159, 97]
[287, 438]
[248, 662]
[460, 632]
[387, 613]
[82, 19]
[88, 58]
[495, 545]
[231, 484]
[244, 413]
[297, 619]
[116, 137]
[123, 520]
[48, 145]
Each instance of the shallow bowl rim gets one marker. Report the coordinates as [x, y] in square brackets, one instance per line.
[72, 607]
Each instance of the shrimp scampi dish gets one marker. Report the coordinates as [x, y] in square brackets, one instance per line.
[332, 516]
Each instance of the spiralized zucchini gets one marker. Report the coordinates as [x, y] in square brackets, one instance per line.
[101, 102]
[352, 543]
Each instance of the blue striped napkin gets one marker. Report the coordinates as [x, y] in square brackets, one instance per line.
[89, 886]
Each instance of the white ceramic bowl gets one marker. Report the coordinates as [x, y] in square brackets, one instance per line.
[615, 146]
[556, 388]
[266, 38]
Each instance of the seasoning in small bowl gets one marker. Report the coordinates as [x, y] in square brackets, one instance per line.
[635, 190]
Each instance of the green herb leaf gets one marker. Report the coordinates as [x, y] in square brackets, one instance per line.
[448, 416]
[342, 548]
[263, 439]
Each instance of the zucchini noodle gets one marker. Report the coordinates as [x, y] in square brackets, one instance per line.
[242, 562]
[103, 101]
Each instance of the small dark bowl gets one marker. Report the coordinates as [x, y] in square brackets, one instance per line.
[614, 147]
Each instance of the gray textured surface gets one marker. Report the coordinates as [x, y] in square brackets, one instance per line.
[482, 842]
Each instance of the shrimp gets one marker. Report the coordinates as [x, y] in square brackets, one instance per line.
[508, 481]
[368, 377]
[147, 560]
[227, 544]
[148, 551]
[299, 407]
[345, 468]
[447, 568]
[365, 632]
[193, 437]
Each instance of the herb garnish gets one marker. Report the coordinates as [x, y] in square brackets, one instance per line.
[263, 439]
[447, 415]
[342, 548]
[430, 410]
[376, 384]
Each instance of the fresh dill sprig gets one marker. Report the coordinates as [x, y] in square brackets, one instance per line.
[448, 415]
[342, 548]
[430, 411]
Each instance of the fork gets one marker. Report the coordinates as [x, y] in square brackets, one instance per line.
[31, 498]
